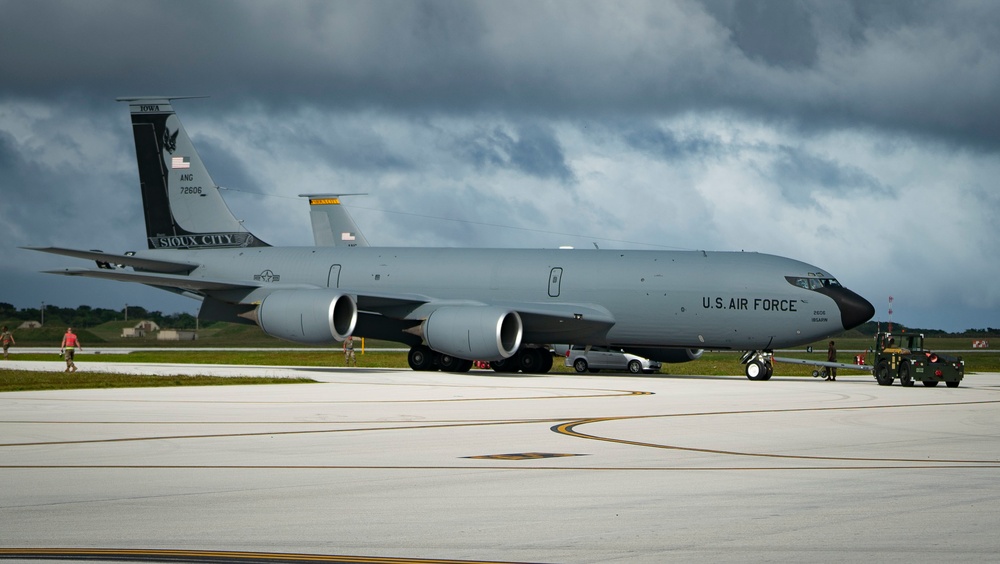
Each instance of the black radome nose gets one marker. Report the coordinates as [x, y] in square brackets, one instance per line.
[854, 310]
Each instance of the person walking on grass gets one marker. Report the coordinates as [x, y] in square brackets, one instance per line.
[69, 345]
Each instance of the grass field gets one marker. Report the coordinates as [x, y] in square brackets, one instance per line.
[710, 364]
[235, 336]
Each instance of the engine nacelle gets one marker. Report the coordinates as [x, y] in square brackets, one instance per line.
[474, 332]
[308, 316]
[669, 356]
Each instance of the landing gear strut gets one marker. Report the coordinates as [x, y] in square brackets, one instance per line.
[758, 365]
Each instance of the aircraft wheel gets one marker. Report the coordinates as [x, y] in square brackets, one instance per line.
[580, 365]
[635, 367]
[547, 361]
[450, 363]
[756, 371]
[930, 383]
[505, 365]
[420, 358]
[882, 374]
[952, 384]
[768, 371]
[529, 360]
[904, 374]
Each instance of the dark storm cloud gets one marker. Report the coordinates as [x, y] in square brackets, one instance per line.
[801, 175]
[931, 69]
[531, 149]
[776, 33]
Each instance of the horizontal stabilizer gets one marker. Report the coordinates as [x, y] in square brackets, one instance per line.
[164, 280]
[151, 265]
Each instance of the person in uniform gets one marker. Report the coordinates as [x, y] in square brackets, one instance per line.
[831, 356]
[349, 351]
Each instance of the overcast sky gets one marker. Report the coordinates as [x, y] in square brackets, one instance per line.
[862, 137]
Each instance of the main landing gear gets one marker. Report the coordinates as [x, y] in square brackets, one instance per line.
[530, 360]
[758, 364]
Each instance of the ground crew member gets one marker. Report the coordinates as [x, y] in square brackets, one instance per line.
[349, 352]
[70, 343]
[831, 356]
[8, 339]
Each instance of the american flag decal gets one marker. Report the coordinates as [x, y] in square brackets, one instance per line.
[345, 236]
[180, 162]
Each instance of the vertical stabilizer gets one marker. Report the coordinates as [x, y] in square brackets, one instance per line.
[332, 225]
[183, 206]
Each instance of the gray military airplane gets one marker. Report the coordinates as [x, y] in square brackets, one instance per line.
[456, 305]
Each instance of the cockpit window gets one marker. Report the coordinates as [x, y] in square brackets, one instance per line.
[813, 282]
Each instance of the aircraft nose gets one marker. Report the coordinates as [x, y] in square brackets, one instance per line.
[854, 310]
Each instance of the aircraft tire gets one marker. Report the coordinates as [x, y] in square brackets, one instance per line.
[756, 371]
[420, 358]
[506, 365]
[529, 360]
[547, 361]
[450, 363]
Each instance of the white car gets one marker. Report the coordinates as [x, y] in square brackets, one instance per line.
[603, 358]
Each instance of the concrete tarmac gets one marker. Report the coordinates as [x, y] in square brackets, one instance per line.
[400, 466]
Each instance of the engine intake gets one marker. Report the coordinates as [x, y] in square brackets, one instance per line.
[474, 332]
[308, 316]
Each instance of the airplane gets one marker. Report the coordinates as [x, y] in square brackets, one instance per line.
[332, 224]
[456, 305]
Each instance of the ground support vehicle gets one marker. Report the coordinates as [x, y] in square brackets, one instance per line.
[908, 361]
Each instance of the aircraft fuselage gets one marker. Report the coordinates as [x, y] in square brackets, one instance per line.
[714, 300]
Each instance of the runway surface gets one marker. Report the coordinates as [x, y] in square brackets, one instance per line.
[400, 466]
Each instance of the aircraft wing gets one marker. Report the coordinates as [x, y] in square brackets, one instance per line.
[542, 322]
[126, 260]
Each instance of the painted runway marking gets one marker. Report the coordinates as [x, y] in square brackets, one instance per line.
[522, 456]
[212, 557]
[569, 429]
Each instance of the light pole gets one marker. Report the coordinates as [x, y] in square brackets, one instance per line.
[43, 314]
[126, 312]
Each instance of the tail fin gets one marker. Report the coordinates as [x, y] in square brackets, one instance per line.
[182, 204]
[332, 225]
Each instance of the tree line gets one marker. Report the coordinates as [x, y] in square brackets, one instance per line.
[85, 316]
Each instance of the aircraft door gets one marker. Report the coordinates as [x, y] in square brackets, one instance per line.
[333, 278]
[555, 282]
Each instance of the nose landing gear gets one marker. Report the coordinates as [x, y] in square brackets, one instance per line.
[758, 365]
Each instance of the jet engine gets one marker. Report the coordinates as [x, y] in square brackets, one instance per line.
[308, 316]
[669, 356]
[474, 332]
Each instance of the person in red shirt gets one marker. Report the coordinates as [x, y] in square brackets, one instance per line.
[8, 339]
[70, 343]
